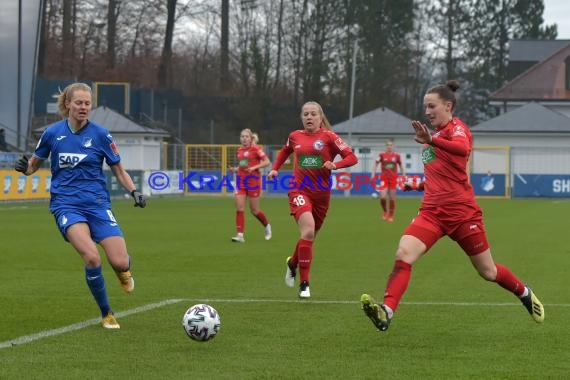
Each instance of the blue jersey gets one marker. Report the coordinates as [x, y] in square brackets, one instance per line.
[77, 164]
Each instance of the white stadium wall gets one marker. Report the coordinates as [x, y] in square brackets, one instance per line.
[19, 38]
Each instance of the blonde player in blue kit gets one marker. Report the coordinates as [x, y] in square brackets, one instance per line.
[80, 201]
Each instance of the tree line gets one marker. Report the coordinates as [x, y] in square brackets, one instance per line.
[258, 58]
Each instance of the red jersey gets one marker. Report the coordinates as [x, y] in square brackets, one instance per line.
[311, 151]
[445, 165]
[389, 163]
[248, 157]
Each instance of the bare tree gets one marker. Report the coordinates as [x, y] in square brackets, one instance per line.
[112, 15]
[224, 51]
[164, 69]
[43, 40]
[67, 36]
[279, 44]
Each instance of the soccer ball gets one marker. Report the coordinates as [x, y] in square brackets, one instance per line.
[201, 322]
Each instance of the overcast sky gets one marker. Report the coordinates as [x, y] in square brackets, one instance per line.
[558, 11]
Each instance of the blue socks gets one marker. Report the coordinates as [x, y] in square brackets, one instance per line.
[96, 283]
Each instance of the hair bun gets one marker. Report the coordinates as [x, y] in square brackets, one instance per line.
[452, 84]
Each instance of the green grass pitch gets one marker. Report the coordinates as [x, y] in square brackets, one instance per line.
[451, 324]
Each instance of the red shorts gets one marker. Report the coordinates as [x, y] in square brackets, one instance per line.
[461, 222]
[390, 183]
[249, 186]
[317, 204]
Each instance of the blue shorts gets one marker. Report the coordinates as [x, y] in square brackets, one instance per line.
[101, 222]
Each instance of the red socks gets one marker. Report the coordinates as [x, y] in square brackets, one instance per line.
[383, 204]
[397, 284]
[507, 280]
[240, 223]
[392, 207]
[305, 257]
[240, 220]
[294, 260]
[400, 278]
[261, 217]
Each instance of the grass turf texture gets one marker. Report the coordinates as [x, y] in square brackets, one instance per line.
[452, 324]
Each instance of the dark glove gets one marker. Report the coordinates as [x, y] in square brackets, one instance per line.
[140, 200]
[408, 186]
[22, 164]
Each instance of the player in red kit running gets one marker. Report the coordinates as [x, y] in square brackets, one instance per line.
[315, 148]
[448, 208]
[388, 162]
[250, 158]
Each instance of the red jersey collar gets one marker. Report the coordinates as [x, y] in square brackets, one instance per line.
[453, 121]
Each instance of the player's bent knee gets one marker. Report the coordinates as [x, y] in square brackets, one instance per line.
[488, 274]
[92, 261]
[406, 255]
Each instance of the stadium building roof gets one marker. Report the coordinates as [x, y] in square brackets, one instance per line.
[530, 118]
[379, 121]
[547, 80]
[117, 123]
[534, 50]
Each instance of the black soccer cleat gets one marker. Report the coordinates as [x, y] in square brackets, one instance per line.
[533, 306]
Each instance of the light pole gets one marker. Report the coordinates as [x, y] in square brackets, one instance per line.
[352, 80]
[351, 104]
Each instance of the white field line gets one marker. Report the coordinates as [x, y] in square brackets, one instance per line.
[141, 309]
[81, 325]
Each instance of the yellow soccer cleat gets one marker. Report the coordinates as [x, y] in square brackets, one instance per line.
[126, 280]
[376, 313]
[109, 322]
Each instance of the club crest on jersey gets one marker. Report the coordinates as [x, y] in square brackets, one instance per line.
[87, 142]
[246, 154]
[70, 160]
[318, 145]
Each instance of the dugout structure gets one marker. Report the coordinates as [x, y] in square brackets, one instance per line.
[490, 171]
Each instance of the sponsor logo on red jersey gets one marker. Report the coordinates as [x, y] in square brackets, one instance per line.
[311, 161]
[340, 144]
[428, 154]
[459, 131]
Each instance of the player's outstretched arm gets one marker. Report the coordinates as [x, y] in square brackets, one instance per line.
[127, 182]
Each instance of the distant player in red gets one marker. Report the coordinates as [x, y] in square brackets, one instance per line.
[388, 162]
[250, 158]
[315, 148]
[448, 208]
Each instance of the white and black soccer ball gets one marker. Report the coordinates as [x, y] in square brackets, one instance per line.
[201, 322]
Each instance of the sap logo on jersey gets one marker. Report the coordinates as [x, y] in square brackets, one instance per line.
[69, 160]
